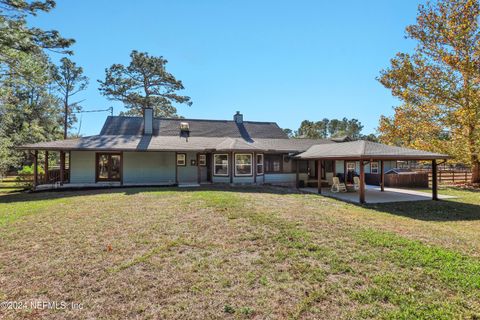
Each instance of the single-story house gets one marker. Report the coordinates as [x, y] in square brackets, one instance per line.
[164, 151]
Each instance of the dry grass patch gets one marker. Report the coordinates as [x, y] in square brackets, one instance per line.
[237, 253]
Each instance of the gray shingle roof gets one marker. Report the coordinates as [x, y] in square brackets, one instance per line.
[175, 143]
[125, 134]
[366, 150]
[133, 126]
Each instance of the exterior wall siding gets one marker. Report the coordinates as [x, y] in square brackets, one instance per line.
[243, 180]
[188, 173]
[82, 167]
[159, 168]
[149, 167]
[221, 179]
[280, 178]
[387, 166]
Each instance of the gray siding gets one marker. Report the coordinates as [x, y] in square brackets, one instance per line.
[82, 167]
[149, 167]
[387, 166]
[188, 174]
[243, 180]
[280, 178]
[221, 179]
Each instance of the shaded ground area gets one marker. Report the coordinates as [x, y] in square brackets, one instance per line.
[373, 194]
[240, 253]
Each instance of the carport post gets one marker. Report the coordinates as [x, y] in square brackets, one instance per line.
[319, 176]
[382, 176]
[434, 180]
[362, 182]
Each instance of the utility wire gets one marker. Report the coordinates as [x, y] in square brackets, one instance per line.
[88, 111]
[103, 110]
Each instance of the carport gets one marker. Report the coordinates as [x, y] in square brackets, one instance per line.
[365, 152]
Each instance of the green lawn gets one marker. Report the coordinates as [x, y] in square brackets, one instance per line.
[238, 253]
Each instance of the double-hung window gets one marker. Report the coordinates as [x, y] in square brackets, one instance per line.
[243, 164]
[259, 164]
[220, 164]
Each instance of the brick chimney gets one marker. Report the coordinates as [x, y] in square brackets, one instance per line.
[148, 121]
[238, 117]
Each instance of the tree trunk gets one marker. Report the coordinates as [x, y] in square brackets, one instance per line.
[65, 124]
[476, 171]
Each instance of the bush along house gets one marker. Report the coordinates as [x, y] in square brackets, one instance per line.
[151, 151]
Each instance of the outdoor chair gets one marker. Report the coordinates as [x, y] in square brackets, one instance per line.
[338, 186]
[356, 183]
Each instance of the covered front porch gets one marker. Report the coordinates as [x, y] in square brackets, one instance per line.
[365, 153]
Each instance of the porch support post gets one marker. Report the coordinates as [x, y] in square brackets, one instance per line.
[121, 168]
[362, 182]
[232, 163]
[70, 165]
[62, 167]
[434, 180]
[297, 173]
[198, 169]
[382, 176]
[176, 169]
[345, 171]
[319, 176]
[254, 162]
[46, 166]
[35, 168]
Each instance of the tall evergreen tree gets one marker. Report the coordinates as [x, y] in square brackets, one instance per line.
[17, 37]
[70, 81]
[330, 129]
[144, 83]
[29, 113]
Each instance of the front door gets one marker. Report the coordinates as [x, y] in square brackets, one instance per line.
[204, 162]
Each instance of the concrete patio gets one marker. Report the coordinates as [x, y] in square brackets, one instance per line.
[374, 195]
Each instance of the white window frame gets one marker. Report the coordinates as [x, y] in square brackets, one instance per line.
[202, 160]
[377, 170]
[215, 165]
[257, 163]
[251, 165]
[184, 159]
[354, 165]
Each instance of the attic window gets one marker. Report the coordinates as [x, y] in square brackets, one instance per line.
[184, 127]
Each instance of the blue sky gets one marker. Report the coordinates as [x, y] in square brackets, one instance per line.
[282, 61]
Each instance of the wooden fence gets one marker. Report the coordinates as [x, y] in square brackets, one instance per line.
[445, 177]
[415, 180]
[449, 176]
[53, 176]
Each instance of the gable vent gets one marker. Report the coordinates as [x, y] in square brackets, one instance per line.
[184, 130]
[184, 127]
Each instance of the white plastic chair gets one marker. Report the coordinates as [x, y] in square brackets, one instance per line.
[338, 186]
[356, 183]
